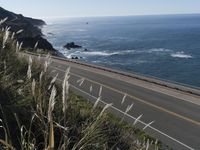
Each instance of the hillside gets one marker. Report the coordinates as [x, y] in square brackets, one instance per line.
[38, 113]
[31, 29]
[11, 16]
[18, 21]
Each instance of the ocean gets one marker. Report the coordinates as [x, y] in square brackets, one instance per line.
[165, 46]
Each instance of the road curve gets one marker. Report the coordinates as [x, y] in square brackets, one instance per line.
[174, 109]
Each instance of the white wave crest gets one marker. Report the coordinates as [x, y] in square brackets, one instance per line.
[158, 50]
[78, 30]
[98, 53]
[181, 55]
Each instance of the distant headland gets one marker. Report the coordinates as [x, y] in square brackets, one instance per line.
[31, 30]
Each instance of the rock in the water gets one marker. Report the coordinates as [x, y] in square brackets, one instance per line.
[72, 45]
[74, 57]
[86, 50]
[49, 33]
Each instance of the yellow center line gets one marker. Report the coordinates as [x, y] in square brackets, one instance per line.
[138, 99]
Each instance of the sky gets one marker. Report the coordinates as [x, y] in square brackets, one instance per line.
[83, 8]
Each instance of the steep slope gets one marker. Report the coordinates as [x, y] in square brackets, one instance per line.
[31, 29]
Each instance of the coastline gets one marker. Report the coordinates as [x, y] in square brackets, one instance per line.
[158, 47]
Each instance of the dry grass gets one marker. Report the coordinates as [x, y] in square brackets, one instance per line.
[48, 115]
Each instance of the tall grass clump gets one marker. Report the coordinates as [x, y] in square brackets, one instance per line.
[38, 113]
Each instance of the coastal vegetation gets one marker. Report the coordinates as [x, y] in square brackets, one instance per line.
[37, 112]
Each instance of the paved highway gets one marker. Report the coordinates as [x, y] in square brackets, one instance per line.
[175, 112]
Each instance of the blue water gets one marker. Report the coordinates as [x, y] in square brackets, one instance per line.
[167, 47]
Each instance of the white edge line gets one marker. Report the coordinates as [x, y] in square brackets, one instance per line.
[164, 134]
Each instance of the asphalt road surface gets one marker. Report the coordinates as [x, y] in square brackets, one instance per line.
[173, 114]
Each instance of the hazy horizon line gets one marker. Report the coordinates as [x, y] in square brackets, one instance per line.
[96, 16]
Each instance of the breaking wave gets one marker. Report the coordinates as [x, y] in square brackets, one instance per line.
[158, 50]
[99, 53]
[181, 55]
[124, 52]
[106, 53]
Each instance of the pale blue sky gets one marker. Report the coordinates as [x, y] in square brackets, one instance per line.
[76, 8]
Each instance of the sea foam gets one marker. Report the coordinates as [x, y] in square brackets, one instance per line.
[181, 55]
[100, 53]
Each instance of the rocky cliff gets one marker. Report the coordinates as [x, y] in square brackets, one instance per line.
[31, 29]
